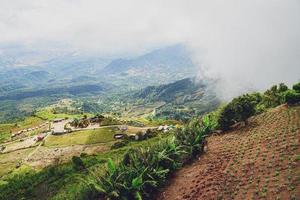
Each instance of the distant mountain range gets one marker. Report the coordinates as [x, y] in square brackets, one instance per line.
[154, 68]
[72, 69]
[30, 79]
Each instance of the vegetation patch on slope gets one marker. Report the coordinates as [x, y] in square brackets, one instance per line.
[102, 135]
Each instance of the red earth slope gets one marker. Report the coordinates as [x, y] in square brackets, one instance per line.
[260, 161]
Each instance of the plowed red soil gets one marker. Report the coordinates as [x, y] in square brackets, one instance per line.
[260, 161]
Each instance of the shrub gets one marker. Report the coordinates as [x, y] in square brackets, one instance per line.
[77, 163]
[275, 95]
[151, 133]
[239, 109]
[141, 171]
[190, 137]
[296, 87]
[292, 97]
[282, 87]
[119, 144]
[226, 118]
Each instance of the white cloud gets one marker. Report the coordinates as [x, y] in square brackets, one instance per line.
[249, 41]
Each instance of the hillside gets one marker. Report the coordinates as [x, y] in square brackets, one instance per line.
[159, 66]
[164, 56]
[172, 91]
[33, 69]
[32, 79]
[258, 161]
[181, 99]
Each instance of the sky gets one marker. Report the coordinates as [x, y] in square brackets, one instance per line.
[245, 43]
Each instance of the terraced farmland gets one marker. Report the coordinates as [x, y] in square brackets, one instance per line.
[260, 161]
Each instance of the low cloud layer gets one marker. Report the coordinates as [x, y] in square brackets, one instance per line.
[247, 44]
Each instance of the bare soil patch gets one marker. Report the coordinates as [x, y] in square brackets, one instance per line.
[260, 161]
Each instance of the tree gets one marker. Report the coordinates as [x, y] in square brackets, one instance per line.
[275, 95]
[244, 107]
[282, 87]
[292, 97]
[296, 87]
[75, 122]
[100, 118]
[226, 118]
[77, 163]
[238, 110]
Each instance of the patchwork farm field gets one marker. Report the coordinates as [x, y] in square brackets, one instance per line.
[260, 161]
[102, 135]
[7, 129]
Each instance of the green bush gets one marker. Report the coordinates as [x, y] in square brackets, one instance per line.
[292, 97]
[77, 163]
[275, 95]
[119, 144]
[143, 170]
[296, 87]
[140, 173]
[190, 138]
[238, 110]
[226, 118]
[282, 87]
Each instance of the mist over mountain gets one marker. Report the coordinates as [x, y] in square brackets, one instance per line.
[80, 75]
[173, 57]
[108, 99]
[159, 66]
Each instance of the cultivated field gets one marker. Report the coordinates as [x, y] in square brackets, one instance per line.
[260, 161]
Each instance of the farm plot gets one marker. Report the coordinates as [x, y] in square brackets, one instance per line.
[102, 135]
[260, 161]
[8, 161]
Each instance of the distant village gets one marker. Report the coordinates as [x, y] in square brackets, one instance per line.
[61, 126]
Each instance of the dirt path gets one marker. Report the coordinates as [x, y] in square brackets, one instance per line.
[37, 148]
[257, 162]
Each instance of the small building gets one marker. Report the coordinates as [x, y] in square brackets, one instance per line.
[164, 128]
[119, 136]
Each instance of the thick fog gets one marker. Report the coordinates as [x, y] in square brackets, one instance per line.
[247, 44]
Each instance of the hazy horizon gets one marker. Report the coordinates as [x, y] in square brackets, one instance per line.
[248, 44]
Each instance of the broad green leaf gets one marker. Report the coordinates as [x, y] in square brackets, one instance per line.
[137, 182]
[138, 196]
[111, 166]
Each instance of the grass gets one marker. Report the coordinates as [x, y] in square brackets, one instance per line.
[8, 161]
[64, 185]
[102, 135]
[62, 181]
[6, 168]
[7, 129]
[47, 114]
